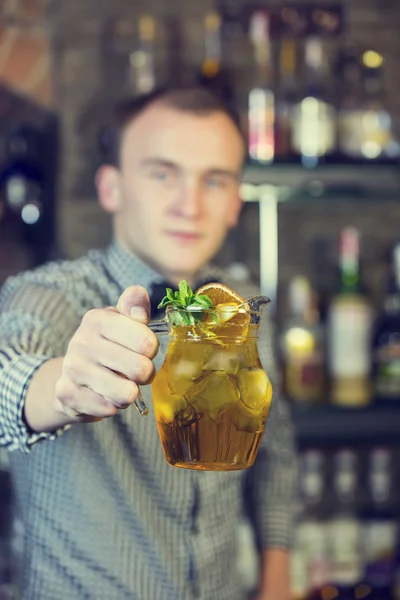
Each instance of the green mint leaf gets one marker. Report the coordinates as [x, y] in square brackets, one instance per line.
[205, 299]
[183, 300]
[177, 318]
[187, 318]
[201, 301]
[185, 292]
[164, 302]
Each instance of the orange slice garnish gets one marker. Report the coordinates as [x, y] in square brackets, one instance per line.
[230, 308]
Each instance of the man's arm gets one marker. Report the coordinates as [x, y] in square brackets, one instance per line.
[42, 412]
[275, 575]
[41, 392]
[35, 323]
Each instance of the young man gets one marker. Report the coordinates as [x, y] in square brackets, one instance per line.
[105, 516]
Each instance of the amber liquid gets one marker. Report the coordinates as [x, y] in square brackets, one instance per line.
[211, 400]
[209, 445]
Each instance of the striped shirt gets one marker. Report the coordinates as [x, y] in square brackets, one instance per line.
[105, 516]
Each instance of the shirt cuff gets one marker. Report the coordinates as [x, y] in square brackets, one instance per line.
[17, 433]
[277, 528]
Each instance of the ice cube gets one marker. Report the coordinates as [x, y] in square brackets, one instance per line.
[166, 403]
[255, 397]
[212, 392]
[255, 388]
[167, 409]
[181, 375]
[225, 359]
[245, 419]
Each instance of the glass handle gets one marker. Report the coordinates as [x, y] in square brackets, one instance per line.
[159, 328]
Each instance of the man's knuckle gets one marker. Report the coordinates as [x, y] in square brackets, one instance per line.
[149, 345]
[107, 409]
[72, 365]
[138, 369]
[63, 389]
[146, 370]
[131, 392]
[92, 318]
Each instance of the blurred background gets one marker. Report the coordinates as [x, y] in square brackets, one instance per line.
[317, 85]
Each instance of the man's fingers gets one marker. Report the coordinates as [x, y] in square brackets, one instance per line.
[134, 302]
[128, 333]
[135, 367]
[114, 388]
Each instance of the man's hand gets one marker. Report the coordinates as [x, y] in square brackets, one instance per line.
[109, 343]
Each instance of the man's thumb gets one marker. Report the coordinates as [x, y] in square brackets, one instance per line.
[134, 302]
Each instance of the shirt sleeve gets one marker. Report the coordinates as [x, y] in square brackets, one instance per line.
[34, 324]
[271, 492]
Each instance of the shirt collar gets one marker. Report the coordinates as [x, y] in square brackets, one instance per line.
[126, 269]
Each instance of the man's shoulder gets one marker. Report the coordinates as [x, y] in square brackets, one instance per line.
[61, 275]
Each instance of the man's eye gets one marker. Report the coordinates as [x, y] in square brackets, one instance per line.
[161, 175]
[215, 182]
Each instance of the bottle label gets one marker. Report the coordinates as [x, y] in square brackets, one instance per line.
[349, 339]
[261, 125]
[312, 540]
[304, 378]
[367, 133]
[298, 574]
[345, 551]
[313, 132]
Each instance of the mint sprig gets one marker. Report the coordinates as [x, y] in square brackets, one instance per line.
[185, 302]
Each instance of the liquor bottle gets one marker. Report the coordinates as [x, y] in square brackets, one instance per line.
[286, 100]
[345, 534]
[314, 118]
[386, 344]
[212, 75]
[350, 330]
[142, 68]
[261, 97]
[380, 528]
[348, 70]
[302, 346]
[378, 141]
[311, 532]
[365, 124]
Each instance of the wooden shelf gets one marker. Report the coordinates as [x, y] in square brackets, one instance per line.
[355, 181]
[330, 425]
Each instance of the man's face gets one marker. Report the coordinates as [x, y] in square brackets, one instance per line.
[176, 193]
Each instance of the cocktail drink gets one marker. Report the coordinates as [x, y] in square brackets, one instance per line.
[211, 396]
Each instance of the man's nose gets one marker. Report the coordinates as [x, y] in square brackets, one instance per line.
[189, 203]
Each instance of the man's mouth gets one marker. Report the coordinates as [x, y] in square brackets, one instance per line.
[184, 236]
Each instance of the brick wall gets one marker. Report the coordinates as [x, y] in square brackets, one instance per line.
[24, 52]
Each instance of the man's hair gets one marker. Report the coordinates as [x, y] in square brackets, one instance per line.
[195, 99]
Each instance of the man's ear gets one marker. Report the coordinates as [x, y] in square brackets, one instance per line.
[235, 211]
[107, 181]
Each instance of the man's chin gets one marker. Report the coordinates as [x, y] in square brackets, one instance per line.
[184, 267]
